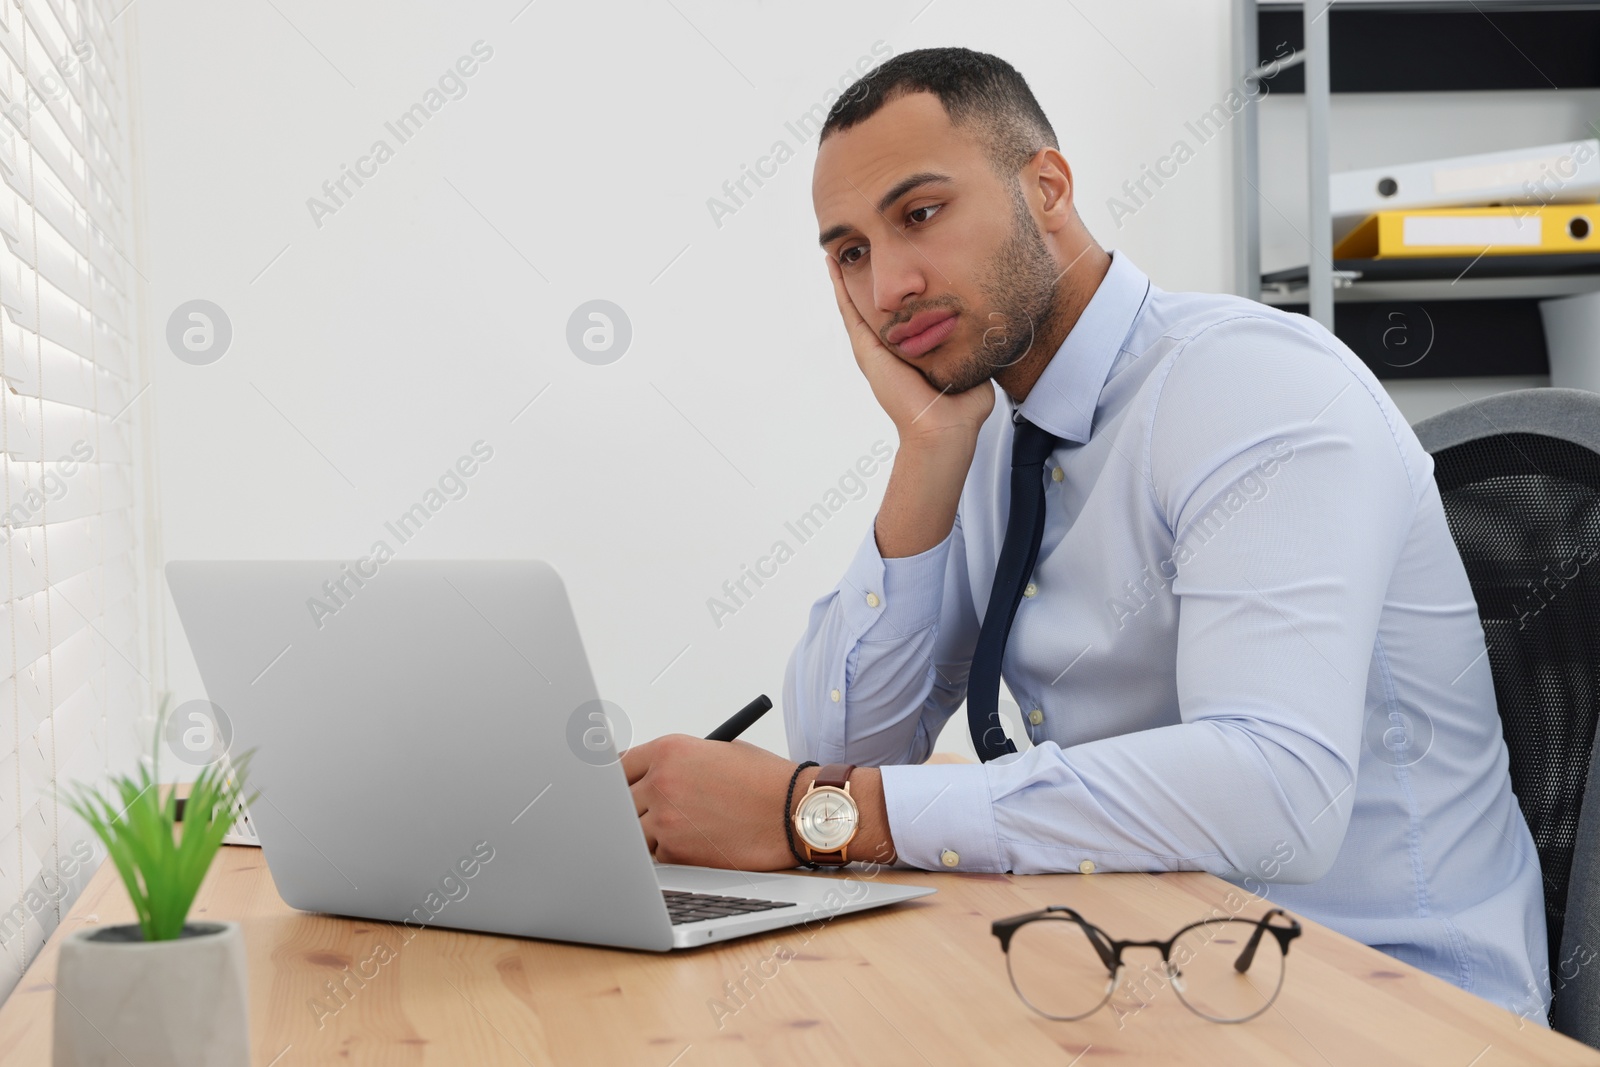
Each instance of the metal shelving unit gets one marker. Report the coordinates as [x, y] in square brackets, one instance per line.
[1400, 46]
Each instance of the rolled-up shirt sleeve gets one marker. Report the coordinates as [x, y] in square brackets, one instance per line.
[1279, 602]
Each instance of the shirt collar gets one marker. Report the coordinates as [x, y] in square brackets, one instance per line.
[1064, 399]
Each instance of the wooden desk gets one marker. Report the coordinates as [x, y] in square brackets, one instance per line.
[924, 982]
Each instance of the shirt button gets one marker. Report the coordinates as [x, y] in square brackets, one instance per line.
[1086, 867]
[1035, 716]
[834, 696]
[949, 858]
[1056, 475]
[1029, 590]
[872, 600]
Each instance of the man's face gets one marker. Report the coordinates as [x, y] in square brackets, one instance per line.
[940, 255]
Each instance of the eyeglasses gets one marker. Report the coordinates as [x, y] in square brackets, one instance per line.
[1225, 970]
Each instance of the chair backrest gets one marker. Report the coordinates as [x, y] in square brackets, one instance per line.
[1519, 473]
[1575, 974]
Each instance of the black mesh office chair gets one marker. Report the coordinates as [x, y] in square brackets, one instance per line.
[1519, 474]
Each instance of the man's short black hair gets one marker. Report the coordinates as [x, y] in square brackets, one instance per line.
[977, 90]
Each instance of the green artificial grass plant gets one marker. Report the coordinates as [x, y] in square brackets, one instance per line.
[162, 869]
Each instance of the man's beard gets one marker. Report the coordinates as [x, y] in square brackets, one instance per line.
[1020, 287]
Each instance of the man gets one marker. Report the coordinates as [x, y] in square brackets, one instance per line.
[1193, 533]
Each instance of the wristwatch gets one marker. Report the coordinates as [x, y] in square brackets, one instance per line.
[826, 819]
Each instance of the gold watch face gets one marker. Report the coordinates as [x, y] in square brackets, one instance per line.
[826, 819]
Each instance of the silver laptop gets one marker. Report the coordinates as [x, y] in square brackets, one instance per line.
[427, 753]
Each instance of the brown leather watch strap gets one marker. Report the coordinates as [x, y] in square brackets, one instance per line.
[834, 774]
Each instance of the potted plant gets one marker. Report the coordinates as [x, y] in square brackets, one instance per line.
[162, 990]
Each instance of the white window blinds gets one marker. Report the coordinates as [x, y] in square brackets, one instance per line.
[72, 657]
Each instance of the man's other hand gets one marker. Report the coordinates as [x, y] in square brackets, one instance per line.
[720, 804]
[711, 803]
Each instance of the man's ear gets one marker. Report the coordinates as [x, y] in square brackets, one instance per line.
[1048, 180]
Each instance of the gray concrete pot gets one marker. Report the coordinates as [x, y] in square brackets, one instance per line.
[121, 999]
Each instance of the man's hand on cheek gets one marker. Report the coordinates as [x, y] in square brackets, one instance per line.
[711, 803]
[916, 407]
[938, 434]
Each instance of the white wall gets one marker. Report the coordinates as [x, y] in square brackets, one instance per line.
[376, 348]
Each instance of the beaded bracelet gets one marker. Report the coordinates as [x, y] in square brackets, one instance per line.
[788, 824]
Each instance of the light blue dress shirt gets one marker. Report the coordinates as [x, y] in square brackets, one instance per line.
[1249, 648]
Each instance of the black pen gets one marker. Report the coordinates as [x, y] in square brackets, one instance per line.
[742, 719]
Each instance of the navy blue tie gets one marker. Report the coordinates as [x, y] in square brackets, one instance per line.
[1030, 447]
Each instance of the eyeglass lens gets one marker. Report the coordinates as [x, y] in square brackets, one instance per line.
[1057, 967]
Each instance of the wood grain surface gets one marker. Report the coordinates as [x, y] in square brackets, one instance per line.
[923, 982]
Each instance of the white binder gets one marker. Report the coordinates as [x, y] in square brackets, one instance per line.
[1563, 173]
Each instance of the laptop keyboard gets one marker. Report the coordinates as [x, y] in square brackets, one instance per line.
[685, 907]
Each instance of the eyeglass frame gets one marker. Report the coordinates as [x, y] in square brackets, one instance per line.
[1110, 951]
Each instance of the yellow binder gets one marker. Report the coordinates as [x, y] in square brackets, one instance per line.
[1472, 231]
